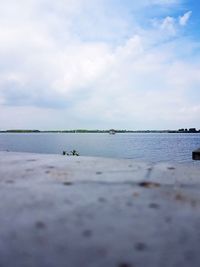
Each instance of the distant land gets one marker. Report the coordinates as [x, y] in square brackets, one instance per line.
[190, 130]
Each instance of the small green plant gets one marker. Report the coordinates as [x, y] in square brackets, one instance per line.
[71, 153]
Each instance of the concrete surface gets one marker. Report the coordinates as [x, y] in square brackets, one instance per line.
[58, 211]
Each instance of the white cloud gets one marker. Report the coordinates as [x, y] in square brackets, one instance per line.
[183, 20]
[54, 72]
[168, 24]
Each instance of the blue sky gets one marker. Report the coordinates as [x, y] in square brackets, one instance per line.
[99, 64]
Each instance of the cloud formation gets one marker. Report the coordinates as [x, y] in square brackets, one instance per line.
[183, 20]
[171, 25]
[96, 64]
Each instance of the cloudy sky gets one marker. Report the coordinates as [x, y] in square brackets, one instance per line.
[99, 64]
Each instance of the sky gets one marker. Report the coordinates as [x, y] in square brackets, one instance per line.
[99, 64]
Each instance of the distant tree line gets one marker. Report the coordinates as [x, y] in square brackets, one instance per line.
[190, 130]
[21, 131]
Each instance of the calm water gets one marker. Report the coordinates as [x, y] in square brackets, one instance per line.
[150, 147]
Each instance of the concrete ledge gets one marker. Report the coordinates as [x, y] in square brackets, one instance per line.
[58, 211]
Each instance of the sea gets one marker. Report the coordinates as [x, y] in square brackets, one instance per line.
[151, 147]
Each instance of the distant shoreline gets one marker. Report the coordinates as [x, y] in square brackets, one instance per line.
[191, 130]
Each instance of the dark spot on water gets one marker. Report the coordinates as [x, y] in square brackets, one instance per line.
[10, 182]
[31, 160]
[140, 246]
[154, 206]
[47, 172]
[102, 199]
[149, 184]
[136, 194]
[171, 168]
[67, 183]
[40, 225]
[130, 166]
[149, 169]
[87, 233]
[98, 173]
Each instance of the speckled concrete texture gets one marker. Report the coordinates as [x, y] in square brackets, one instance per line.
[59, 211]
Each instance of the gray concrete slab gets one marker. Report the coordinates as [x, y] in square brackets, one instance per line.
[58, 211]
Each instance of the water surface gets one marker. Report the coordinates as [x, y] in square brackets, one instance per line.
[148, 146]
